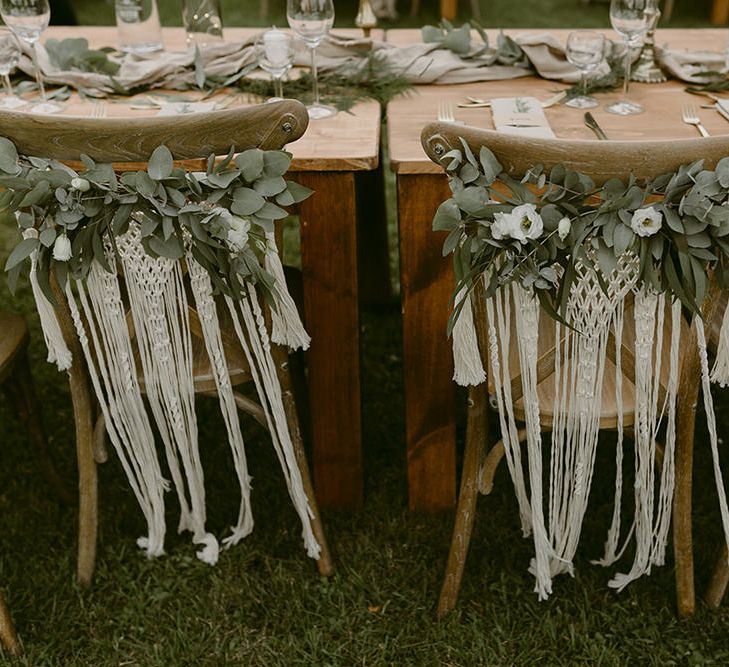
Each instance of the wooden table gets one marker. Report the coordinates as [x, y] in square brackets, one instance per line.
[426, 277]
[338, 158]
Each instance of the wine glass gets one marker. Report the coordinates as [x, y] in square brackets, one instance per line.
[9, 57]
[630, 19]
[275, 53]
[585, 51]
[28, 19]
[312, 20]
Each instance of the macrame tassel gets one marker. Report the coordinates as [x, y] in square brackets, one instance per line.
[58, 352]
[256, 346]
[720, 372]
[110, 361]
[711, 427]
[205, 304]
[498, 313]
[466, 356]
[158, 304]
[286, 326]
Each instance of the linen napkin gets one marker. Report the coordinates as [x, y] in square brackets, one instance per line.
[520, 115]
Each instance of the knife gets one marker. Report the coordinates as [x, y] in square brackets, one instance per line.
[592, 124]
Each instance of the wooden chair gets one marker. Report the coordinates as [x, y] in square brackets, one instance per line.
[128, 142]
[601, 161]
[17, 382]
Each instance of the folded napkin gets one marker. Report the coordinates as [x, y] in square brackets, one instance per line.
[520, 115]
[689, 65]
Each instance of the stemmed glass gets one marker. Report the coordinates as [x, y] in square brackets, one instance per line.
[28, 19]
[630, 19]
[9, 57]
[312, 20]
[275, 54]
[585, 50]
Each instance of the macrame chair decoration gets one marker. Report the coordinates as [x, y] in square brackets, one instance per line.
[601, 161]
[127, 143]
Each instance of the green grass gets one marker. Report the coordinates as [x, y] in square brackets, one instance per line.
[263, 604]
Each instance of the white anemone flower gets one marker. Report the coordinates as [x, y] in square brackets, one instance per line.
[646, 221]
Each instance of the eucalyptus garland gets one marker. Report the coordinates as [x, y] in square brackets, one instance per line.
[222, 215]
[458, 40]
[535, 230]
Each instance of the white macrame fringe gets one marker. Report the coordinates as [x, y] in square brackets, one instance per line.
[711, 426]
[720, 372]
[466, 356]
[205, 304]
[58, 352]
[110, 363]
[286, 326]
[256, 345]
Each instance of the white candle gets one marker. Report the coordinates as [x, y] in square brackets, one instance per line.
[276, 46]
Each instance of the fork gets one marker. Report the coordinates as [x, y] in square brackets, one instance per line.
[99, 109]
[445, 112]
[690, 117]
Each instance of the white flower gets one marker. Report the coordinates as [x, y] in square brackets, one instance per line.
[502, 225]
[62, 249]
[238, 232]
[80, 184]
[529, 223]
[646, 221]
[563, 228]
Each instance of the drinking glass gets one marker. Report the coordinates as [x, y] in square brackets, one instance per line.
[137, 22]
[630, 19]
[9, 57]
[585, 51]
[202, 21]
[312, 20]
[275, 53]
[28, 19]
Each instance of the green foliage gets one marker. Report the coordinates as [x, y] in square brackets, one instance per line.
[74, 53]
[221, 215]
[676, 224]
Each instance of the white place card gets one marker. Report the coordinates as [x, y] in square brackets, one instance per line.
[182, 108]
[520, 115]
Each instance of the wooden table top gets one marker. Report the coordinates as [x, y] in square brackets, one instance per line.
[347, 142]
[406, 116]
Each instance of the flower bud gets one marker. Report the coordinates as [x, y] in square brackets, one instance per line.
[80, 184]
[62, 249]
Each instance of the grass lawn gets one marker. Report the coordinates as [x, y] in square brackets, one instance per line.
[263, 604]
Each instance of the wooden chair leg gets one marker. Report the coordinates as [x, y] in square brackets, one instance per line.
[466, 510]
[719, 580]
[83, 418]
[8, 636]
[22, 395]
[280, 356]
[491, 463]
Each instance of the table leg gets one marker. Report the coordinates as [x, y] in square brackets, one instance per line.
[719, 12]
[329, 267]
[426, 279]
[448, 9]
[374, 257]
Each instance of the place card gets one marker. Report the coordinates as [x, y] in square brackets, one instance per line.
[520, 115]
[722, 106]
[182, 108]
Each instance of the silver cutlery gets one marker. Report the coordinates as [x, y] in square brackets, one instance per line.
[689, 115]
[99, 109]
[592, 124]
[445, 112]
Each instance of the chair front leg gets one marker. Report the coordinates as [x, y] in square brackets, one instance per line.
[8, 636]
[719, 580]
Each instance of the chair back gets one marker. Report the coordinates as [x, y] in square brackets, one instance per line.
[601, 160]
[188, 136]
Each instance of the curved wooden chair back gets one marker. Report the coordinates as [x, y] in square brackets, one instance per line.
[132, 140]
[601, 160]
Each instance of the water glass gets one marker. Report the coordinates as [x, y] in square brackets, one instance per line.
[585, 50]
[28, 19]
[275, 54]
[9, 58]
[630, 19]
[137, 22]
[202, 21]
[312, 20]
